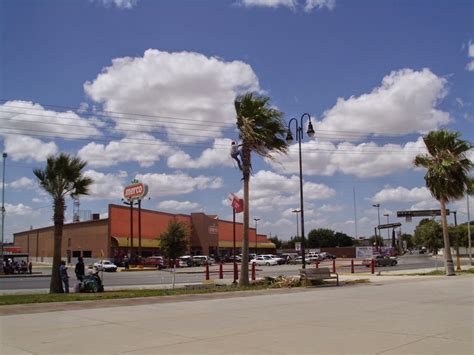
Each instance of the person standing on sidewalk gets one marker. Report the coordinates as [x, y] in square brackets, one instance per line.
[64, 276]
[79, 270]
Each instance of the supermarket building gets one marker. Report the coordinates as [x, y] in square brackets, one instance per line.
[110, 237]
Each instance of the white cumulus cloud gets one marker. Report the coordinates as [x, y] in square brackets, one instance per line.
[178, 206]
[401, 194]
[470, 54]
[22, 183]
[186, 94]
[319, 4]
[361, 160]
[141, 148]
[404, 103]
[121, 4]
[106, 186]
[270, 3]
[25, 116]
[178, 184]
[269, 191]
[28, 148]
[218, 155]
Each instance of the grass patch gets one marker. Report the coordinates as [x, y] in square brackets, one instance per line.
[108, 295]
[435, 273]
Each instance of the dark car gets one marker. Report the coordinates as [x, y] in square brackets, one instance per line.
[325, 255]
[382, 260]
[154, 261]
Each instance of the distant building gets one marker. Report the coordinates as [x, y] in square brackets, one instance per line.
[111, 237]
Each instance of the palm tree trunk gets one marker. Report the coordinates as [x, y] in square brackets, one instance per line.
[244, 269]
[448, 259]
[56, 285]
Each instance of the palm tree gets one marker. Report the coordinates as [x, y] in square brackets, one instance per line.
[447, 175]
[61, 177]
[261, 130]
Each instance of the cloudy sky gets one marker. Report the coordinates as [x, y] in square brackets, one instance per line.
[145, 89]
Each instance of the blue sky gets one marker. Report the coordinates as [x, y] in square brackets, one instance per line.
[145, 89]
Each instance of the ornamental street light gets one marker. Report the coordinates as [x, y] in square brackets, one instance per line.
[299, 137]
[256, 221]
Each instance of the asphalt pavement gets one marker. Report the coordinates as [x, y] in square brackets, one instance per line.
[154, 278]
[390, 315]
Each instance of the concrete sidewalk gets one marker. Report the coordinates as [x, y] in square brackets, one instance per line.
[427, 315]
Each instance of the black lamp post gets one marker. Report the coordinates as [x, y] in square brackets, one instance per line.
[299, 137]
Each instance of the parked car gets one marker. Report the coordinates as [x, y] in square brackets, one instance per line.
[382, 260]
[299, 260]
[276, 258]
[286, 258]
[230, 259]
[325, 255]
[200, 260]
[154, 261]
[186, 261]
[105, 265]
[264, 260]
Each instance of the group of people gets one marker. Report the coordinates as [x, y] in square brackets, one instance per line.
[12, 266]
[79, 270]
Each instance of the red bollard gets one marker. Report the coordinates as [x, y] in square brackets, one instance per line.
[221, 270]
[333, 265]
[372, 266]
[352, 266]
[317, 264]
[253, 272]
[207, 271]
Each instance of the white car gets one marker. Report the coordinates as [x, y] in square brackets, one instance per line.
[105, 265]
[263, 260]
[276, 258]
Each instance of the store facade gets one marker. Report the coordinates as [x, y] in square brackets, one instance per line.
[113, 237]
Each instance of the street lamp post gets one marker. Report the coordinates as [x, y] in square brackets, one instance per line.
[256, 221]
[388, 229]
[3, 212]
[299, 137]
[297, 227]
[378, 218]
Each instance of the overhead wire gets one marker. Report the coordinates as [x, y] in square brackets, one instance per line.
[188, 121]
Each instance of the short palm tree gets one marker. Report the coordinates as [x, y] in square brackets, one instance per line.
[61, 177]
[447, 175]
[261, 130]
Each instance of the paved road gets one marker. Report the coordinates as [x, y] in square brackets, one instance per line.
[194, 275]
[417, 316]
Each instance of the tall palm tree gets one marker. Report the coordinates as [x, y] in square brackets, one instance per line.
[261, 130]
[447, 175]
[61, 177]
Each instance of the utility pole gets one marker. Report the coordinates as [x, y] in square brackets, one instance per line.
[3, 213]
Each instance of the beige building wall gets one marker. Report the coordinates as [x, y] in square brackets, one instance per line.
[83, 237]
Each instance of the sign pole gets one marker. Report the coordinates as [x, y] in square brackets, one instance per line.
[233, 252]
[140, 229]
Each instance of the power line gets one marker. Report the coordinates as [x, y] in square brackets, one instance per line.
[146, 141]
[109, 114]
